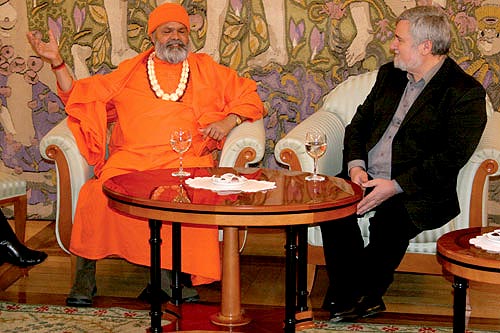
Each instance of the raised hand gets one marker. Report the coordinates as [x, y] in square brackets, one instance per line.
[49, 51]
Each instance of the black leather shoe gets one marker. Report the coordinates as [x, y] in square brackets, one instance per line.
[366, 306]
[370, 306]
[342, 311]
[81, 300]
[348, 314]
[17, 254]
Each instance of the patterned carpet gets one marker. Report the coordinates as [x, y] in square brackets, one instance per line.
[16, 318]
[325, 327]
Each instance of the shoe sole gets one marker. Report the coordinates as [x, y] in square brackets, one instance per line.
[78, 302]
[191, 299]
[82, 301]
[352, 317]
[373, 312]
[347, 318]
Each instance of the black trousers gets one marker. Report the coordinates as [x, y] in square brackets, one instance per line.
[355, 270]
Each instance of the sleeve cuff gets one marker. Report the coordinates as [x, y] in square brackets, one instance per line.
[355, 163]
[398, 188]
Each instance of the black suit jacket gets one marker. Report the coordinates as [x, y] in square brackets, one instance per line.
[437, 137]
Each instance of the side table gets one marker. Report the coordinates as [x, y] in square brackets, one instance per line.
[467, 263]
[294, 204]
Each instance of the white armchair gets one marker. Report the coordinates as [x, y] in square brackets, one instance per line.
[336, 113]
[244, 145]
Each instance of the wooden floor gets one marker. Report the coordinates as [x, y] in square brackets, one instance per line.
[412, 298]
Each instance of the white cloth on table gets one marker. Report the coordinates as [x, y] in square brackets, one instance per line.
[489, 241]
[230, 183]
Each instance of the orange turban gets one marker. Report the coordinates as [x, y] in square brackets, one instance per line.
[168, 12]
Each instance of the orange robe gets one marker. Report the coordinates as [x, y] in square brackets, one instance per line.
[140, 141]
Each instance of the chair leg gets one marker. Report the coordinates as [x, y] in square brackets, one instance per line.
[311, 276]
[20, 215]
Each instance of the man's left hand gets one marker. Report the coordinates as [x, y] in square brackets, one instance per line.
[383, 189]
[219, 129]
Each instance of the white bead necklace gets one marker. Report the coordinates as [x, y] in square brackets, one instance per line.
[153, 81]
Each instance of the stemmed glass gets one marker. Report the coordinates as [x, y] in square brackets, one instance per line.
[315, 146]
[180, 139]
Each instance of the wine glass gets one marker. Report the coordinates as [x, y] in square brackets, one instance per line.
[315, 146]
[180, 139]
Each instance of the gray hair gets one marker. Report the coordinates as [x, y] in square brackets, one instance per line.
[429, 23]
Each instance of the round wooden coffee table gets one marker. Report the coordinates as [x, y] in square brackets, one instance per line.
[467, 263]
[293, 204]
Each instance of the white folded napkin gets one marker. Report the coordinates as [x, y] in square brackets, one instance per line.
[489, 241]
[230, 183]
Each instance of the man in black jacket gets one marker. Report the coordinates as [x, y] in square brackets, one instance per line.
[405, 145]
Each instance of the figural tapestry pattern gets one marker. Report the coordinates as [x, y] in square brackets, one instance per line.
[296, 50]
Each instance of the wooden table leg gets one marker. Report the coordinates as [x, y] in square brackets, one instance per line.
[460, 286]
[302, 292]
[155, 275]
[176, 264]
[290, 279]
[231, 313]
[304, 316]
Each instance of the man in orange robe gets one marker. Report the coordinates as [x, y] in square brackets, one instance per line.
[147, 97]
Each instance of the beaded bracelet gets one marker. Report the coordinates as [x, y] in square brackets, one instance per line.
[61, 65]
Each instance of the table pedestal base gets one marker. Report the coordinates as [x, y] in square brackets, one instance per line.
[304, 320]
[231, 313]
[222, 320]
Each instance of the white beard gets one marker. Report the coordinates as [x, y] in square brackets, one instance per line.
[170, 53]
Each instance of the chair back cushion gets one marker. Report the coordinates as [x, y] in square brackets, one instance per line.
[345, 98]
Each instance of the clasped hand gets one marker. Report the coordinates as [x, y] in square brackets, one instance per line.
[382, 190]
[217, 130]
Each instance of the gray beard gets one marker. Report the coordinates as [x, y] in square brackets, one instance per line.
[408, 65]
[173, 55]
[400, 64]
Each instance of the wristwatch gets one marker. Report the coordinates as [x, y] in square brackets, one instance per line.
[238, 120]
